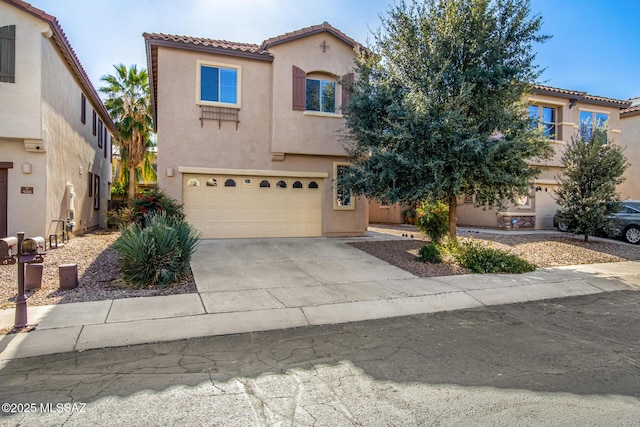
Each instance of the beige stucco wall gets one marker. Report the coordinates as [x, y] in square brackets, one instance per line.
[388, 214]
[40, 126]
[181, 139]
[308, 132]
[267, 123]
[630, 138]
[26, 212]
[71, 146]
[20, 111]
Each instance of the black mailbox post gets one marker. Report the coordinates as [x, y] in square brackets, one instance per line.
[15, 251]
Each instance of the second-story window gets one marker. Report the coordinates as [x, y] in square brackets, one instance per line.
[100, 134]
[321, 95]
[590, 120]
[95, 122]
[218, 84]
[83, 108]
[544, 118]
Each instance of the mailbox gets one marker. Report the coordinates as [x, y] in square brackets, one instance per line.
[8, 247]
[33, 246]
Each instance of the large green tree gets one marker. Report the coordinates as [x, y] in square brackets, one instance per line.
[438, 110]
[127, 98]
[587, 193]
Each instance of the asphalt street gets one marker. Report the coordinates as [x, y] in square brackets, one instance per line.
[571, 361]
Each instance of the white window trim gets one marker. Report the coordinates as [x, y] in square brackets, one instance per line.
[238, 68]
[336, 207]
[322, 114]
[330, 77]
[540, 106]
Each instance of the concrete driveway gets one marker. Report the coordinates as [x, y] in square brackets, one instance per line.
[258, 274]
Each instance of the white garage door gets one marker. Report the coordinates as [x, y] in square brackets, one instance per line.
[232, 206]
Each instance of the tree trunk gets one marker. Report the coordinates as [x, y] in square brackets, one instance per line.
[132, 185]
[453, 218]
[586, 238]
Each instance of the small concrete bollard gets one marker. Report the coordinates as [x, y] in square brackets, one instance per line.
[68, 276]
[33, 276]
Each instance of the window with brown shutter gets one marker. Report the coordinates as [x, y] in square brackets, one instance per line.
[8, 54]
[94, 121]
[347, 82]
[299, 89]
[90, 184]
[83, 108]
[99, 133]
[106, 135]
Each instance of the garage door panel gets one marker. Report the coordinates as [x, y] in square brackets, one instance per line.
[248, 210]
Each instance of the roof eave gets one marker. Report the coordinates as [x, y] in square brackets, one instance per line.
[210, 49]
[311, 33]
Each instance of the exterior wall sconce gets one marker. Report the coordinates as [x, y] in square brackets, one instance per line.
[170, 172]
[26, 168]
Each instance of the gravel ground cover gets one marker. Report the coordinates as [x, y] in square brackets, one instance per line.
[539, 249]
[99, 275]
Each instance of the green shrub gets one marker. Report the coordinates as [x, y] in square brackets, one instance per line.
[429, 253]
[158, 253]
[118, 191]
[432, 218]
[481, 259]
[409, 216]
[156, 200]
[121, 217]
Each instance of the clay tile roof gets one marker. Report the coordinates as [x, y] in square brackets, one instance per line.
[580, 96]
[308, 31]
[631, 111]
[224, 45]
[62, 42]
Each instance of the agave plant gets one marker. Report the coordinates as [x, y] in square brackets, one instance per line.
[157, 254]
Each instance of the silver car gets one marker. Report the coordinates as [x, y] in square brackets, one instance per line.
[628, 221]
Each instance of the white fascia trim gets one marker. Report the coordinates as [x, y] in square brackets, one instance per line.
[251, 172]
[542, 101]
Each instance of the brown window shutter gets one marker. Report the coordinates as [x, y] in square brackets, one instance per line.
[347, 82]
[299, 89]
[8, 54]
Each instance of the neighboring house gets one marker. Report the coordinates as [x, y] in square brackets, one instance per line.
[249, 135]
[55, 134]
[560, 114]
[630, 126]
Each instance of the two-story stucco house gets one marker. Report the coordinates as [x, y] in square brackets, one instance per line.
[55, 134]
[630, 126]
[560, 113]
[249, 135]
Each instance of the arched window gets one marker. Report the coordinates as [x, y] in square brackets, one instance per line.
[229, 183]
[265, 184]
[297, 184]
[212, 182]
[193, 182]
[313, 184]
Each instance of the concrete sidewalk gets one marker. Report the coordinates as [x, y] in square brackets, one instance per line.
[265, 284]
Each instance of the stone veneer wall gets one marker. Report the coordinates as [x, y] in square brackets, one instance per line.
[523, 221]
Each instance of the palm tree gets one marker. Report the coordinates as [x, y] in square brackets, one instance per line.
[129, 104]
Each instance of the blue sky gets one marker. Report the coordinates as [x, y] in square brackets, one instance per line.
[594, 46]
